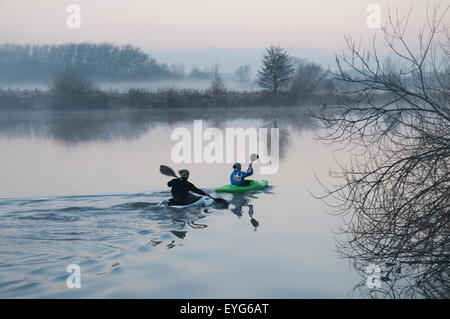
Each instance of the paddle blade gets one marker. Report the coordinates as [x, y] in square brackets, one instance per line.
[167, 171]
[221, 202]
[253, 157]
[254, 222]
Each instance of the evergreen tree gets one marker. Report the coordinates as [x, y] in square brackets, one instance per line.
[277, 70]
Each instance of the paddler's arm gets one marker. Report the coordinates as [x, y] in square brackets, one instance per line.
[249, 171]
[196, 190]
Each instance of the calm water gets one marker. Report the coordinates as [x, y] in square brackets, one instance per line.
[82, 188]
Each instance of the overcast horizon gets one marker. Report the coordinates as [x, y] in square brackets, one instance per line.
[204, 32]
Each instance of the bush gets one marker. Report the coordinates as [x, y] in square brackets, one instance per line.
[11, 101]
[72, 90]
[309, 78]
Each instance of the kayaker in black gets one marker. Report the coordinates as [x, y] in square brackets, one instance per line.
[180, 190]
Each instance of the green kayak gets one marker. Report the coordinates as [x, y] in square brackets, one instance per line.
[253, 185]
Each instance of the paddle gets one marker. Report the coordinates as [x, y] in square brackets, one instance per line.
[253, 221]
[166, 170]
[253, 157]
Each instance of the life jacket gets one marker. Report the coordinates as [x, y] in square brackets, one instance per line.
[238, 177]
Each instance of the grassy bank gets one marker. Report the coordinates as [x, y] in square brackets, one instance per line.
[85, 98]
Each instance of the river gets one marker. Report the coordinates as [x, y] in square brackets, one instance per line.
[82, 188]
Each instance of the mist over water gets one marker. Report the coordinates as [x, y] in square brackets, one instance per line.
[82, 187]
[88, 108]
[154, 85]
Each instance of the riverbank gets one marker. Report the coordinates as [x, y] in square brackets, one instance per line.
[23, 99]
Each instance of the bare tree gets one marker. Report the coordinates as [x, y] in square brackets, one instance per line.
[178, 70]
[218, 89]
[308, 79]
[72, 90]
[395, 195]
[243, 73]
[200, 74]
[277, 70]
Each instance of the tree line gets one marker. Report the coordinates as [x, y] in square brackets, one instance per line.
[283, 78]
[95, 61]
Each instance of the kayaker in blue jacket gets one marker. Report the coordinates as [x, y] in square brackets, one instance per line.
[238, 177]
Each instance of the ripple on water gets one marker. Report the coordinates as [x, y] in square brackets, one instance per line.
[133, 206]
[49, 217]
[96, 237]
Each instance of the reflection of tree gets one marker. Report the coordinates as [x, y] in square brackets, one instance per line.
[284, 138]
[295, 121]
[76, 127]
[108, 125]
[396, 193]
[413, 263]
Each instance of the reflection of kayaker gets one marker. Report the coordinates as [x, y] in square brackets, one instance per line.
[240, 202]
[237, 210]
[181, 188]
[253, 221]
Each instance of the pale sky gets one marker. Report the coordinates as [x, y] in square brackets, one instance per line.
[191, 24]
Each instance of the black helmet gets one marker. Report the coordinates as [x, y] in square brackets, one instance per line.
[184, 173]
[237, 166]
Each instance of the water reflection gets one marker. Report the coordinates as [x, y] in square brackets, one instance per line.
[238, 203]
[91, 232]
[72, 127]
[413, 262]
[115, 235]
